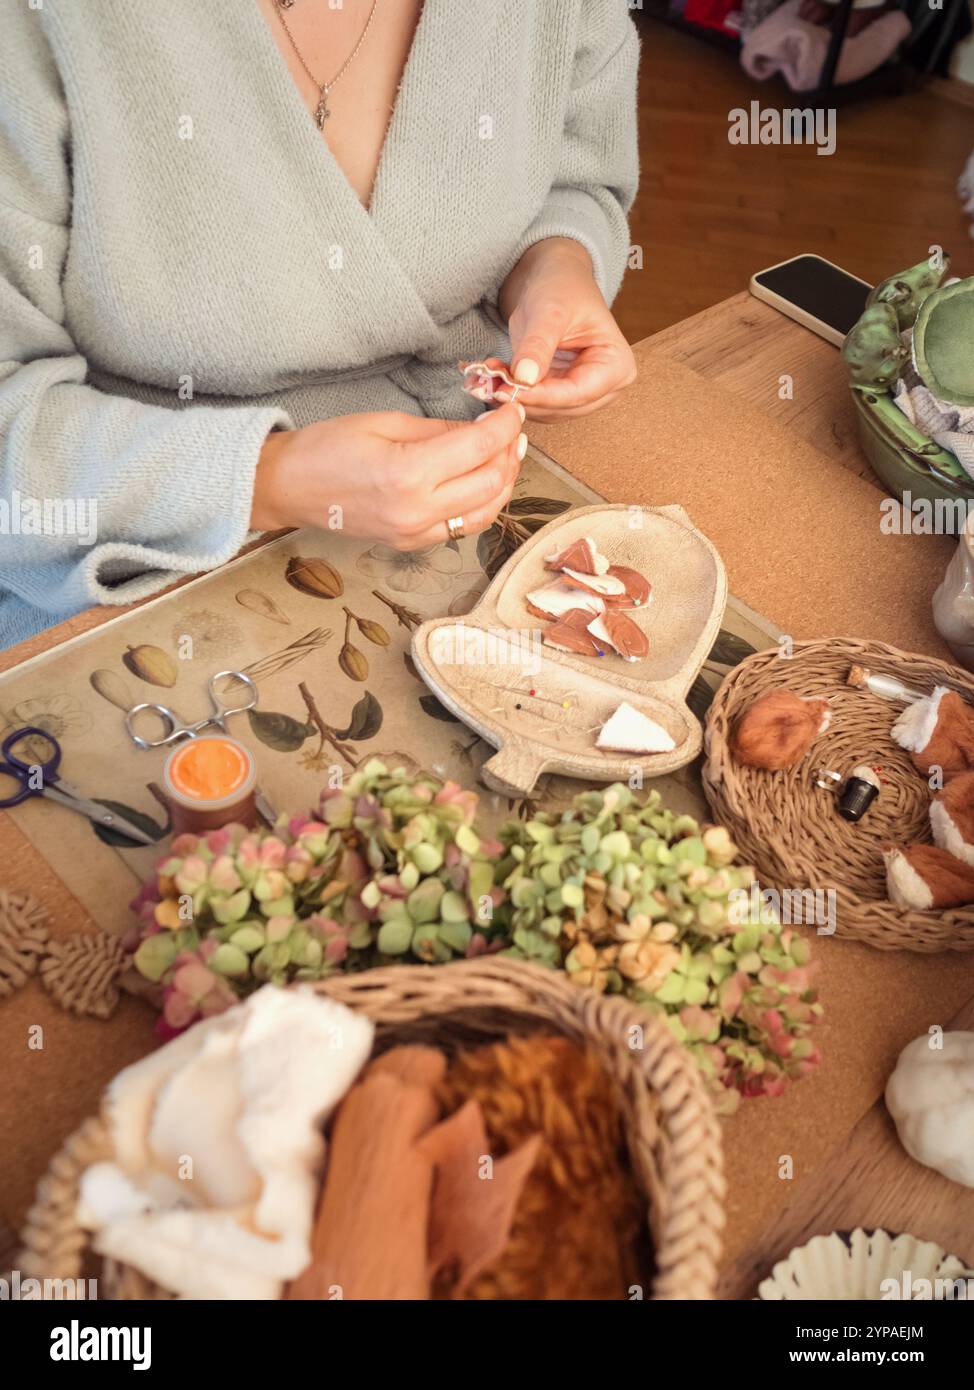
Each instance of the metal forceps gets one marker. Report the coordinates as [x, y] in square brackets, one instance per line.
[176, 728]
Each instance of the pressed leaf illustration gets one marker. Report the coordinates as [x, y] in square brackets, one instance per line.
[113, 688]
[536, 506]
[260, 603]
[522, 517]
[700, 697]
[368, 627]
[405, 617]
[366, 720]
[151, 664]
[729, 649]
[283, 659]
[351, 661]
[279, 731]
[314, 576]
[435, 710]
[317, 757]
[137, 818]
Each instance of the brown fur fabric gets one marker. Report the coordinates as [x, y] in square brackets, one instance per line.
[579, 1226]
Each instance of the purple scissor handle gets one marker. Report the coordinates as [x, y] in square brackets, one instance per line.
[41, 778]
[25, 772]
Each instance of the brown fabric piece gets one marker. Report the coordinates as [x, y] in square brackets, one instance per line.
[950, 880]
[580, 556]
[413, 1064]
[777, 730]
[637, 588]
[957, 799]
[628, 639]
[472, 1209]
[951, 745]
[370, 1237]
[578, 1225]
[571, 633]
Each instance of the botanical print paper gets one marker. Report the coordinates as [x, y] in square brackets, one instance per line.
[335, 679]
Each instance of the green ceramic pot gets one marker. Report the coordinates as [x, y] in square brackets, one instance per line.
[905, 459]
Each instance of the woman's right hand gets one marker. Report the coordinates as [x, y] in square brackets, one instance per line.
[389, 476]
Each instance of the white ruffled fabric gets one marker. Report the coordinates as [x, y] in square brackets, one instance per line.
[950, 426]
[219, 1149]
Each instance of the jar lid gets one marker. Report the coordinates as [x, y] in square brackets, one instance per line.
[210, 773]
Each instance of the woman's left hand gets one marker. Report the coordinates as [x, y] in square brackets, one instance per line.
[553, 305]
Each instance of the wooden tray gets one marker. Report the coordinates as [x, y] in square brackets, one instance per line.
[484, 666]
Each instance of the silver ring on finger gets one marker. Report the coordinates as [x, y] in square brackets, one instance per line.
[454, 527]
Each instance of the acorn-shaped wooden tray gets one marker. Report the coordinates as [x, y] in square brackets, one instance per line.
[542, 708]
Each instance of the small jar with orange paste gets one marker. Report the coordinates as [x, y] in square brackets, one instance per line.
[210, 781]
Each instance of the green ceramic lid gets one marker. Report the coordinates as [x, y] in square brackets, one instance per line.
[943, 343]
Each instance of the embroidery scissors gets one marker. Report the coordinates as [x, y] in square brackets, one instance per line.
[176, 728]
[41, 778]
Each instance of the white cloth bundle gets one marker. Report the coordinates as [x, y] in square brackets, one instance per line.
[218, 1146]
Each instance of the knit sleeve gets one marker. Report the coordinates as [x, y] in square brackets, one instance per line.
[102, 499]
[596, 166]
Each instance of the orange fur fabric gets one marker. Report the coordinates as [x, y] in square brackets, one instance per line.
[779, 728]
[579, 1226]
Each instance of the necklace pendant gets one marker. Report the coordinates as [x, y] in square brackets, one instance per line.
[322, 113]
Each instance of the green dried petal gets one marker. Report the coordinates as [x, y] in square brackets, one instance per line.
[467, 839]
[673, 989]
[232, 909]
[395, 937]
[456, 935]
[572, 895]
[248, 938]
[427, 858]
[229, 960]
[409, 876]
[424, 902]
[453, 907]
[156, 954]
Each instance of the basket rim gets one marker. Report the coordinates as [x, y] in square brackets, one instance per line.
[686, 1134]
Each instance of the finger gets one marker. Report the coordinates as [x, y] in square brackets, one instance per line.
[472, 498]
[463, 448]
[596, 372]
[475, 520]
[472, 491]
[536, 345]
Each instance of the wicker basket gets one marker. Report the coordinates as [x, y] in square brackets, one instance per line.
[789, 828]
[673, 1135]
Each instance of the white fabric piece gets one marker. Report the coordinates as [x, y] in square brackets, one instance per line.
[904, 886]
[219, 1147]
[914, 728]
[950, 426]
[628, 730]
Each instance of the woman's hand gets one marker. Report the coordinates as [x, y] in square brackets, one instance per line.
[552, 304]
[390, 476]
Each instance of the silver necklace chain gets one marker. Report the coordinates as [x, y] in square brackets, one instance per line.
[322, 111]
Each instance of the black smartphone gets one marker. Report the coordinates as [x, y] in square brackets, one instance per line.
[815, 293]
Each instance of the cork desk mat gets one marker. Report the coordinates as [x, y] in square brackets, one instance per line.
[800, 540]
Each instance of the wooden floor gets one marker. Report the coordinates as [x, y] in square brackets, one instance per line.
[709, 213]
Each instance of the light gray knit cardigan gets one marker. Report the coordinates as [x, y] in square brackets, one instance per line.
[184, 267]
